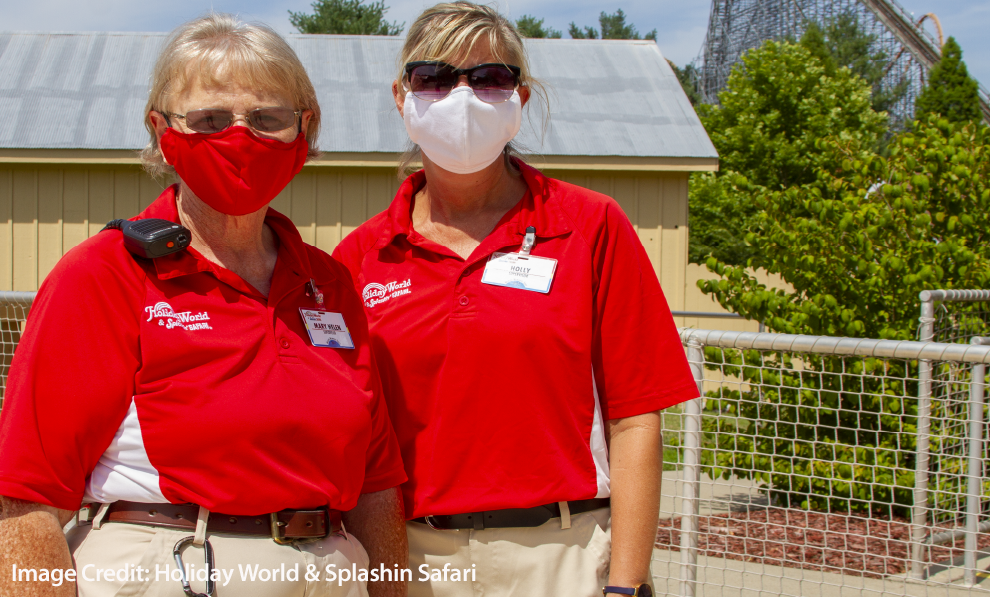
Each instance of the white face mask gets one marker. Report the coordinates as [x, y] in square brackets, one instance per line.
[461, 133]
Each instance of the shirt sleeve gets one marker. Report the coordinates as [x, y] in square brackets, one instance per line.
[384, 468]
[72, 377]
[639, 363]
[349, 254]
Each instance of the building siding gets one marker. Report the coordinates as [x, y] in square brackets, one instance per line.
[47, 210]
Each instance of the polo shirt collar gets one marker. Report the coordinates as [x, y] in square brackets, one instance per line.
[292, 252]
[540, 208]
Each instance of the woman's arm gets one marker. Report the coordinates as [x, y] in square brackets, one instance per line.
[378, 523]
[31, 537]
[635, 464]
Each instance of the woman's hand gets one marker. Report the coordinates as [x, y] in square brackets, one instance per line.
[379, 524]
[31, 537]
[635, 464]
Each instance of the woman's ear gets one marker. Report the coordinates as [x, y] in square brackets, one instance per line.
[304, 122]
[158, 121]
[400, 97]
[161, 125]
[524, 93]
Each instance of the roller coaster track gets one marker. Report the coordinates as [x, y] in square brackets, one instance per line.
[915, 39]
[736, 26]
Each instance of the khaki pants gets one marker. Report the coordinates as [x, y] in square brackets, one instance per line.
[123, 547]
[544, 561]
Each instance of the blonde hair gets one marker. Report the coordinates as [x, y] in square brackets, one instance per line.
[220, 49]
[448, 32]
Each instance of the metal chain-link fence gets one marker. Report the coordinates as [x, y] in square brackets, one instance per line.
[14, 308]
[797, 471]
[950, 316]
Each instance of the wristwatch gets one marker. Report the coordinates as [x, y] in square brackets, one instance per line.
[642, 590]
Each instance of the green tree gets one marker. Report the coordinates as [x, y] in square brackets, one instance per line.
[862, 240]
[950, 92]
[351, 17]
[857, 245]
[530, 26]
[613, 26]
[844, 42]
[718, 218]
[777, 105]
[687, 76]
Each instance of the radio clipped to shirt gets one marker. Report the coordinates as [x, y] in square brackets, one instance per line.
[521, 270]
[326, 329]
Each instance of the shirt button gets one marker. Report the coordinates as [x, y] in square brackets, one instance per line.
[284, 343]
[464, 301]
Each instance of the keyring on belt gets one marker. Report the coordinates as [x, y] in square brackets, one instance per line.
[210, 586]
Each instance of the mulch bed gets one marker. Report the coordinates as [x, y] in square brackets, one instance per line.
[856, 545]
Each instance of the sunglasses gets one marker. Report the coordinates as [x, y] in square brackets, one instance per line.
[432, 80]
[264, 120]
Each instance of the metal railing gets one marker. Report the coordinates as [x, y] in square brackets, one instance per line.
[955, 316]
[796, 470]
[14, 308]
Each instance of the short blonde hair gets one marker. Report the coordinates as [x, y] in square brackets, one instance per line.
[219, 49]
[449, 31]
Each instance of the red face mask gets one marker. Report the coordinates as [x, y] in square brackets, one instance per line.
[234, 171]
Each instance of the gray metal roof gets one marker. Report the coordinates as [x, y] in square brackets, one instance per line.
[88, 91]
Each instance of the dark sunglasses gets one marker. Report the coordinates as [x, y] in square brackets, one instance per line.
[264, 120]
[432, 80]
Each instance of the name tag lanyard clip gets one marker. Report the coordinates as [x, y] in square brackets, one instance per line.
[313, 291]
[529, 241]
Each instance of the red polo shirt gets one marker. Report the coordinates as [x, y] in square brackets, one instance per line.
[499, 395]
[175, 380]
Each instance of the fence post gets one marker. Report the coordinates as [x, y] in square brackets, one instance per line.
[691, 472]
[975, 468]
[919, 513]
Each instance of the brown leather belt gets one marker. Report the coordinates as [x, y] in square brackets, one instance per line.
[510, 517]
[280, 526]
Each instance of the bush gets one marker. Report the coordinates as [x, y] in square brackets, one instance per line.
[821, 433]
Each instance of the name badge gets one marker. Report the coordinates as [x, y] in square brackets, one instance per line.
[326, 329]
[515, 270]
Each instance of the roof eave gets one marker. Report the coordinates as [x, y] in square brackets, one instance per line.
[377, 160]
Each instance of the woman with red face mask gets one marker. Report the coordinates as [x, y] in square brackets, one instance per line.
[214, 415]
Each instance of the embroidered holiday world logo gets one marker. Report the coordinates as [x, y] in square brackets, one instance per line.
[168, 318]
[375, 293]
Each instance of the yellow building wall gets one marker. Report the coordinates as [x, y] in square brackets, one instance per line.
[45, 210]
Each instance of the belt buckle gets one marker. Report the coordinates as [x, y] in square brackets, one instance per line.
[277, 535]
[429, 523]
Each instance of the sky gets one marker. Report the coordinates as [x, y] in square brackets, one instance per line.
[680, 24]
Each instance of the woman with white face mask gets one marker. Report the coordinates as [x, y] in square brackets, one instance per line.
[525, 345]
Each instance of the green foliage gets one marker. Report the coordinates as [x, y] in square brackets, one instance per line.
[688, 78]
[718, 214]
[777, 104]
[613, 26]
[530, 26]
[351, 17]
[844, 42]
[860, 242]
[821, 433]
[950, 92]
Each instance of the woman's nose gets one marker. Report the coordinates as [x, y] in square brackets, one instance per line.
[462, 81]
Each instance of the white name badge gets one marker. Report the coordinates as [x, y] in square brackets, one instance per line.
[326, 329]
[515, 270]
